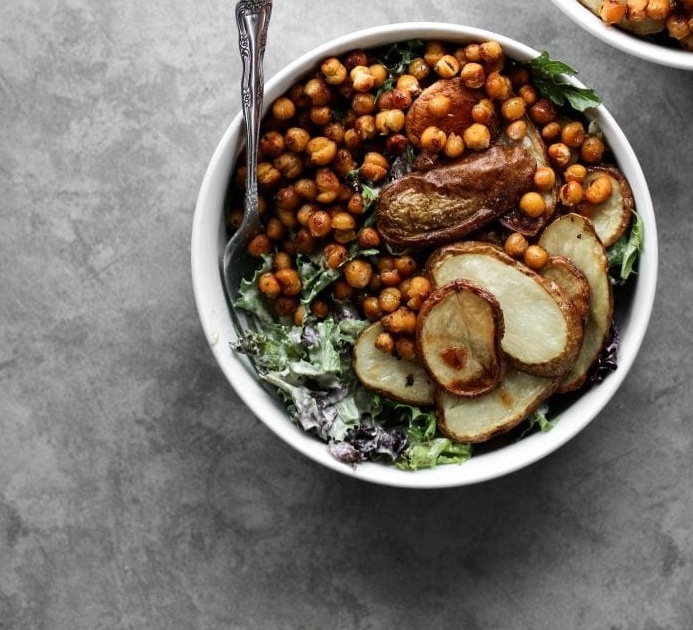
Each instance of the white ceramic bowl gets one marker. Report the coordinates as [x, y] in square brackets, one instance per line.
[208, 240]
[618, 38]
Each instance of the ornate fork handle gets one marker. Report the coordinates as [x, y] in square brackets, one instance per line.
[252, 18]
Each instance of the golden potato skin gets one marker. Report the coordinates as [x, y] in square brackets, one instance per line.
[447, 202]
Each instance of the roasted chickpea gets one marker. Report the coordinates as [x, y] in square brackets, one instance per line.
[289, 165]
[543, 112]
[612, 11]
[368, 237]
[275, 230]
[286, 199]
[592, 150]
[491, 51]
[678, 26]
[535, 257]
[271, 144]
[658, 9]
[515, 245]
[405, 265]
[472, 52]
[454, 145]
[529, 94]
[575, 173]
[598, 190]
[401, 321]
[334, 71]
[319, 223]
[379, 73]
[306, 188]
[344, 162]
[281, 260]
[418, 68]
[259, 245]
[397, 143]
[341, 290]
[320, 308]
[317, 91]
[335, 255]
[418, 289]
[477, 137]
[408, 83]
[358, 273]
[355, 58]
[269, 286]
[343, 221]
[433, 139]
[321, 151]
[516, 130]
[304, 241]
[362, 79]
[498, 87]
[371, 308]
[385, 342]
[573, 134]
[334, 130]
[328, 185]
[390, 277]
[267, 175]
[363, 103]
[405, 347]
[364, 126]
[570, 194]
[513, 108]
[296, 139]
[532, 204]
[374, 167]
[447, 67]
[439, 106]
[433, 52]
[321, 115]
[283, 108]
[389, 299]
[544, 178]
[551, 131]
[483, 111]
[559, 154]
[473, 75]
[389, 121]
[289, 280]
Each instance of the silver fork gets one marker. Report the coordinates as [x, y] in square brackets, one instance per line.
[252, 18]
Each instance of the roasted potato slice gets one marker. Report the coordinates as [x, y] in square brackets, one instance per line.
[447, 202]
[567, 275]
[543, 331]
[610, 218]
[462, 100]
[388, 375]
[517, 396]
[458, 337]
[573, 236]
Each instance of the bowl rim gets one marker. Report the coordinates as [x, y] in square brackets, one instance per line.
[207, 242]
[623, 40]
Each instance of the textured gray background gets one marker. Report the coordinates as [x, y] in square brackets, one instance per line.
[136, 491]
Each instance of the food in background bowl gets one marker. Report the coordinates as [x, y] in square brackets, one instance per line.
[660, 31]
[432, 271]
[649, 18]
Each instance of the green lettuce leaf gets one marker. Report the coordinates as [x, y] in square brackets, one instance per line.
[624, 252]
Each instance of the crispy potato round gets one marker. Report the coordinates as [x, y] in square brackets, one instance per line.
[458, 334]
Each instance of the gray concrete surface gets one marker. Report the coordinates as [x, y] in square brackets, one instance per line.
[136, 491]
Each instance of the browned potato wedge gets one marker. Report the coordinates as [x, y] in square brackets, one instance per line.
[462, 100]
[458, 337]
[543, 331]
[574, 237]
[517, 396]
[646, 26]
[612, 217]
[425, 209]
[567, 275]
[388, 375]
[515, 219]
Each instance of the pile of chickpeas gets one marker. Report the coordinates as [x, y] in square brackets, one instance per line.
[677, 16]
[344, 126]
